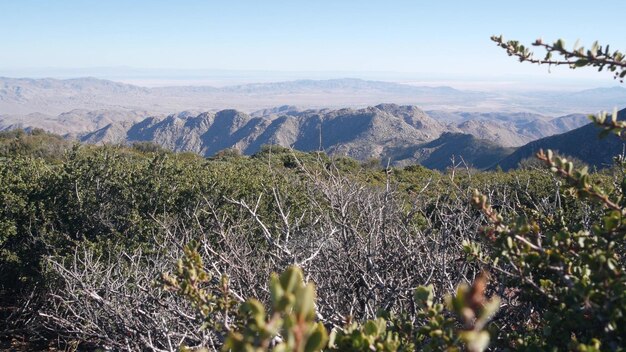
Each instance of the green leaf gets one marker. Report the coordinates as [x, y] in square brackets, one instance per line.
[581, 63]
[305, 302]
[290, 278]
[424, 296]
[317, 340]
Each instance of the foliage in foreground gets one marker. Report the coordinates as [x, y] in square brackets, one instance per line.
[573, 281]
[291, 325]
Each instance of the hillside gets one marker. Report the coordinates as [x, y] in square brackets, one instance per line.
[452, 148]
[582, 143]
[508, 129]
[402, 134]
[361, 133]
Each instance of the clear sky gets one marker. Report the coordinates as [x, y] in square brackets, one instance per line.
[435, 38]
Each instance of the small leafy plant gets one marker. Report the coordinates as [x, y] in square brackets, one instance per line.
[291, 324]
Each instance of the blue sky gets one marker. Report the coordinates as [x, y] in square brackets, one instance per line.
[433, 38]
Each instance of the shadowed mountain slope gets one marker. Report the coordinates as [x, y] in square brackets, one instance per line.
[449, 149]
[402, 134]
[582, 143]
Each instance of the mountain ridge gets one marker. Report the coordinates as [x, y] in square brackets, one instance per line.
[582, 143]
[403, 134]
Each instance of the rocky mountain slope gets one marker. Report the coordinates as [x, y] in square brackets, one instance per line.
[509, 129]
[361, 133]
[451, 149]
[582, 143]
[342, 131]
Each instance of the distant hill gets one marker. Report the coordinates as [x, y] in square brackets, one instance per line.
[54, 96]
[608, 96]
[402, 134]
[461, 116]
[508, 129]
[361, 133]
[459, 148]
[582, 143]
[23, 96]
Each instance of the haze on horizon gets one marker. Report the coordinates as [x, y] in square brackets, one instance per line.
[156, 43]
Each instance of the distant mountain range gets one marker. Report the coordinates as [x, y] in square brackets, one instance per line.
[100, 111]
[361, 134]
[23, 96]
[402, 134]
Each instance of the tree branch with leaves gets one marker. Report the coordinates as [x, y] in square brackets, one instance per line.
[598, 56]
